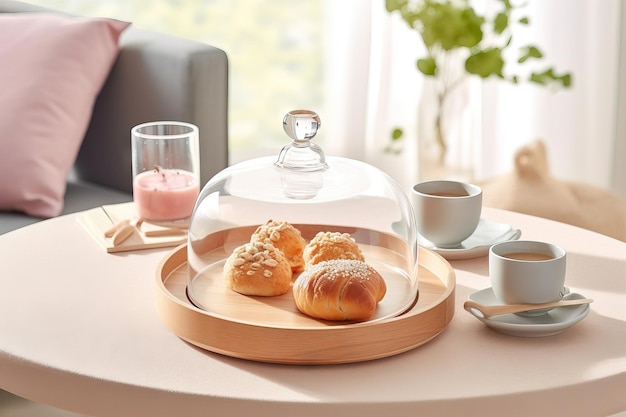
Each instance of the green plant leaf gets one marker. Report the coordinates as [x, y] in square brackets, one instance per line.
[524, 21]
[449, 25]
[507, 4]
[396, 134]
[408, 14]
[566, 80]
[529, 51]
[485, 63]
[549, 77]
[392, 5]
[500, 23]
[427, 66]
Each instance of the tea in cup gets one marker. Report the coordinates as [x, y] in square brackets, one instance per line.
[527, 272]
[447, 212]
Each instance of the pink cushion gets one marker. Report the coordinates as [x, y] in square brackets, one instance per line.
[53, 68]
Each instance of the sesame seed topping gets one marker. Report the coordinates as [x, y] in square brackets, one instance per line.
[337, 268]
[258, 255]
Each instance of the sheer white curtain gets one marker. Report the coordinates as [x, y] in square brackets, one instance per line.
[578, 124]
[373, 86]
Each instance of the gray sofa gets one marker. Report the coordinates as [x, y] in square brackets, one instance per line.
[155, 77]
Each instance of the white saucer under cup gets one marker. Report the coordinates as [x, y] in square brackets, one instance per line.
[556, 321]
[487, 233]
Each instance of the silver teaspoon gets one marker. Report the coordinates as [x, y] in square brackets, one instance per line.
[481, 310]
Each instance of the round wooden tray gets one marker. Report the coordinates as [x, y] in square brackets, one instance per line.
[333, 344]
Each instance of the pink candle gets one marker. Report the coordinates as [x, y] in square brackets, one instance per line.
[165, 194]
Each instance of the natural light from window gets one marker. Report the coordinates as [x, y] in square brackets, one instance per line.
[275, 51]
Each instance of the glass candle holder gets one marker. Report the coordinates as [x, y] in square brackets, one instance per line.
[166, 170]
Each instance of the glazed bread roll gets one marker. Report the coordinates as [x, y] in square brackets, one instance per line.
[326, 246]
[285, 238]
[258, 268]
[339, 289]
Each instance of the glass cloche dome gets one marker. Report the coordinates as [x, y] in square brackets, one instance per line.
[313, 193]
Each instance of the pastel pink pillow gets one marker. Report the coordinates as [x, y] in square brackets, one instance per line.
[53, 67]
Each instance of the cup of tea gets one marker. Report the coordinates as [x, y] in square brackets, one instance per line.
[447, 212]
[527, 272]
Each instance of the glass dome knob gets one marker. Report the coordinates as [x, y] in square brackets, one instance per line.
[301, 124]
[301, 154]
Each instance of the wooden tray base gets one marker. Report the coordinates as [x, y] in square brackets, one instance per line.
[308, 346]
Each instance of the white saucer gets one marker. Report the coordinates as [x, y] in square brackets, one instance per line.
[487, 233]
[552, 322]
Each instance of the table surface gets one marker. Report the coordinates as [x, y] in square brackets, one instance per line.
[79, 331]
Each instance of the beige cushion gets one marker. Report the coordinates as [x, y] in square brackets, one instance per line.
[532, 190]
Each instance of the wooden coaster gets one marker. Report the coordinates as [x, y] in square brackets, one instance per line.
[146, 235]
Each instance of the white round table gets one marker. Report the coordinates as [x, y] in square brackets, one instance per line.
[79, 331]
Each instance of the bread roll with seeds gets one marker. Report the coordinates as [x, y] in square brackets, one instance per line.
[258, 268]
[286, 238]
[326, 246]
[339, 289]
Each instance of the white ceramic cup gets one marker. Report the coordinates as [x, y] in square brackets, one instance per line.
[525, 271]
[447, 212]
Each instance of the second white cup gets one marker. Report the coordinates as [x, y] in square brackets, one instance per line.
[527, 272]
[447, 212]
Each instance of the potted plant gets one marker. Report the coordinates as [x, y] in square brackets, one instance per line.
[453, 31]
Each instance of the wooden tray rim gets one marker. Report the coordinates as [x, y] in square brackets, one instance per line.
[221, 335]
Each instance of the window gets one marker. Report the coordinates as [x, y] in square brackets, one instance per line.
[275, 50]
